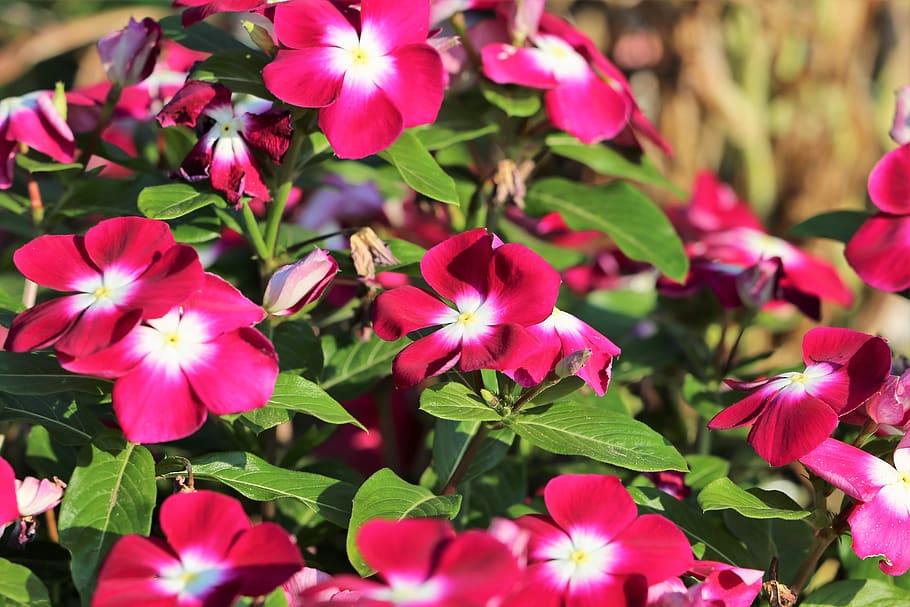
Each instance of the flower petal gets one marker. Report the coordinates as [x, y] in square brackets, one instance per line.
[522, 285]
[881, 526]
[596, 503]
[504, 346]
[190, 101]
[42, 325]
[389, 24]
[403, 550]
[589, 108]
[269, 132]
[793, 424]
[306, 77]
[399, 311]
[889, 182]
[9, 508]
[878, 252]
[459, 267]
[220, 307]
[128, 576]
[416, 67]
[506, 64]
[852, 470]
[168, 282]
[204, 524]
[263, 557]
[362, 121]
[428, 356]
[97, 329]
[155, 404]
[476, 567]
[313, 23]
[652, 546]
[128, 244]
[57, 262]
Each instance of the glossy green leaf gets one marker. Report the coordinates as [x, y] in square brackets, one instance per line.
[34, 166]
[299, 349]
[639, 228]
[441, 134]
[298, 394]
[239, 71]
[516, 101]
[451, 440]
[258, 480]
[353, 366]
[199, 36]
[67, 421]
[836, 225]
[571, 428]
[704, 469]
[858, 593]
[261, 419]
[723, 494]
[419, 169]
[608, 161]
[384, 495]
[174, 200]
[455, 401]
[111, 494]
[20, 587]
[39, 373]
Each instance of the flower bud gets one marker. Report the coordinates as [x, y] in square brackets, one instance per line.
[262, 32]
[129, 55]
[293, 286]
[36, 496]
[900, 131]
[573, 363]
[759, 283]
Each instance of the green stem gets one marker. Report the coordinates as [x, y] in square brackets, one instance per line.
[110, 102]
[253, 232]
[286, 175]
[466, 459]
[533, 392]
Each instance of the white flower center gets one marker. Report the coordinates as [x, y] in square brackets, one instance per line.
[579, 557]
[191, 577]
[405, 592]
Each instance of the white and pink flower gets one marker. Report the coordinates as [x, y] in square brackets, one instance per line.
[32, 120]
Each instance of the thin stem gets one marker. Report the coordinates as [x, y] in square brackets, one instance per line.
[286, 175]
[253, 232]
[50, 520]
[110, 102]
[533, 392]
[466, 460]
[822, 541]
[732, 354]
[34, 196]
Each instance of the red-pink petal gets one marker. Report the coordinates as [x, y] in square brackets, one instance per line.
[590, 109]
[57, 262]
[189, 102]
[399, 311]
[742, 412]
[362, 121]
[889, 182]
[305, 77]
[793, 424]
[220, 307]
[500, 347]
[476, 567]
[269, 132]
[852, 470]
[506, 64]
[130, 571]
[879, 250]
[652, 546]
[415, 83]
[9, 509]
[234, 172]
[97, 329]
[391, 24]
[522, 285]
[405, 549]
[881, 526]
[127, 243]
[203, 523]
[263, 558]
[426, 357]
[168, 282]
[459, 267]
[312, 23]
[42, 325]
[613, 590]
[594, 502]
[155, 405]
[245, 350]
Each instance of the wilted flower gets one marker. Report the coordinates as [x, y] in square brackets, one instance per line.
[129, 55]
[294, 286]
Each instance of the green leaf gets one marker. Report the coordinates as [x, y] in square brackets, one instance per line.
[239, 71]
[571, 428]
[111, 494]
[516, 101]
[352, 366]
[258, 480]
[608, 161]
[836, 225]
[199, 36]
[298, 394]
[386, 496]
[19, 586]
[69, 423]
[174, 200]
[261, 419]
[441, 135]
[704, 469]
[419, 169]
[299, 350]
[858, 593]
[34, 166]
[37, 373]
[455, 401]
[723, 494]
[639, 228]
[49, 457]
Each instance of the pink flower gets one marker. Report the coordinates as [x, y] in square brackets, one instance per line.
[200, 9]
[34, 497]
[497, 292]
[294, 286]
[880, 248]
[720, 585]
[9, 507]
[129, 55]
[792, 413]
[889, 407]
[900, 130]
[880, 522]
[200, 356]
[123, 270]
[424, 564]
[593, 549]
[34, 121]
[309, 586]
[371, 74]
[224, 153]
[560, 335]
[212, 556]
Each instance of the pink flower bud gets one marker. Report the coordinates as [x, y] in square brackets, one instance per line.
[759, 283]
[129, 55]
[891, 405]
[294, 286]
[900, 131]
[36, 496]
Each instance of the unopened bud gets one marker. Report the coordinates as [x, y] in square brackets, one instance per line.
[368, 250]
[293, 286]
[759, 284]
[489, 398]
[573, 363]
[129, 55]
[900, 131]
[262, 33]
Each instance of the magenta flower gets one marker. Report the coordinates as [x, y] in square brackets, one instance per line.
[497, 292]
[889, 408]
[719, 585]
[123, 270]
[371, 74]
[294, 286]
[32, 120]
[9, 507]
[212, 556]
[171, 370]
[200, 9]
[593, 548]
[129, 55]
[792, 413]
[560, 335]
[33, 497]
[224, 154]
[878, 251]
[880, 522]
[424, 564]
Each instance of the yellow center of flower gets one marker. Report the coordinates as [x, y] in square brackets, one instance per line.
[171, 339]
[359, 56]
[466, 318]
[101, 293]
[578, 557]
[799, 378]
[226, 128]
[905, 478]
